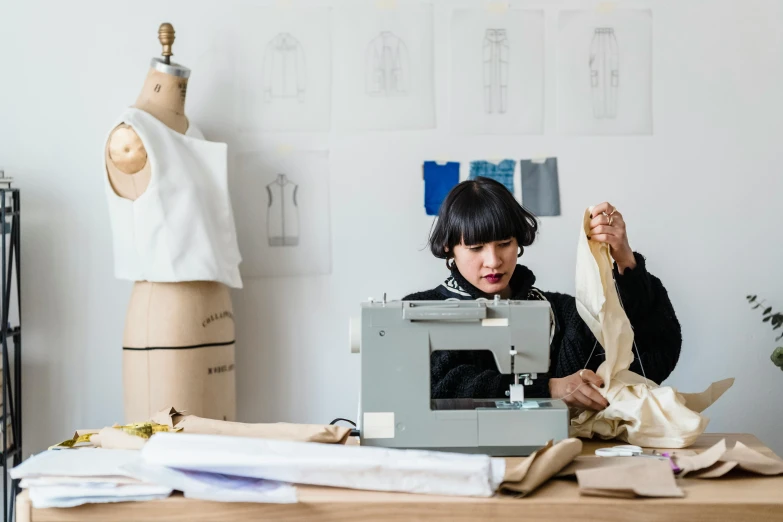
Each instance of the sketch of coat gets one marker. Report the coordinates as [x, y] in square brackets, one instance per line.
[604, 72]
[285, 74]
[495, 58]
[282, 212]
[387, 66]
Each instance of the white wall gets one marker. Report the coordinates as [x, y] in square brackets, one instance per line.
[701, 198]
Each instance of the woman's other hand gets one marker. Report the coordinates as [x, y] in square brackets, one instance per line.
[608, 226]
[577, 391]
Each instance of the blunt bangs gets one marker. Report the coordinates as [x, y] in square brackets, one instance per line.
[479, 211]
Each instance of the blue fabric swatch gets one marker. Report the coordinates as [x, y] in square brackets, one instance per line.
[438, 181]
[503, 172]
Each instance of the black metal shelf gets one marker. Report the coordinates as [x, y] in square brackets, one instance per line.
[11, 343]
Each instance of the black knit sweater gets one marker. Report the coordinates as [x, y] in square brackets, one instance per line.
[474, 374]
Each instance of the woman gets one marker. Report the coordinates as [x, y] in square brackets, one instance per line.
[481, 231]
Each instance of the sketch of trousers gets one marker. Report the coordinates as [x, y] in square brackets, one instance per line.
[495, 58]
[604, 72]
[387, 66]
[285, 74]
[282, 214]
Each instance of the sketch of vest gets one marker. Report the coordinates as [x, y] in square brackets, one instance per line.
[495, 57]
[604, 73]
[387, 66]
[282, 212]
[285, 74]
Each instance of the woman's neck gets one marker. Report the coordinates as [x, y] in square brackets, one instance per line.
[163, 96]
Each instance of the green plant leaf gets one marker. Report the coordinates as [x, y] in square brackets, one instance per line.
[757, 306]
[768, 310]
[751, 298]
[767, 318]
[777, 356]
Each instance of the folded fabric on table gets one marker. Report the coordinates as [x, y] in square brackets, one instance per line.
[355, 467]
[358, 467]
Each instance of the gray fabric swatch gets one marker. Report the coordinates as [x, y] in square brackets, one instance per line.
[540, 187]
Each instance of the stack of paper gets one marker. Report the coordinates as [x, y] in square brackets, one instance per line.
[66, 478]
[72, 477]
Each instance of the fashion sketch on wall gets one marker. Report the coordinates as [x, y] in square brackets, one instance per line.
[383, 68]
[281, 204]
[285, 70]
[496, 53]
[604, 68]
[604, 72]
[283, 67]
[387, 66]
[497, 71]
[282, 214]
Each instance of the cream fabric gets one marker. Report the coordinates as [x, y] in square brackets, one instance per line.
[640, 412]
[523, 475]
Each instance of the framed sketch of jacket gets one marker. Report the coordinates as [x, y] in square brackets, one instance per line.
[285, 74]
[387, 66]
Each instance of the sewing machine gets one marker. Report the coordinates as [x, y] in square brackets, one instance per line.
[395, 407]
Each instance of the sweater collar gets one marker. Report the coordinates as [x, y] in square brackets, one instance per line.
[456, 286]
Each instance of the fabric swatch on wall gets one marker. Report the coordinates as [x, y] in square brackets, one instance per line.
[439, 179]
[540, 187]
[502, 172]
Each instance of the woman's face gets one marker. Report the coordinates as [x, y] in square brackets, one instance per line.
[487, 266]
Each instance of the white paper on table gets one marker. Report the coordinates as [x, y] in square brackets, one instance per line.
[50, 497]
[355, 467]
[86, 462]
[216, 487]
[108, 481]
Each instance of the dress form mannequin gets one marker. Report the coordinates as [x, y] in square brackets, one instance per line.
[178, 344]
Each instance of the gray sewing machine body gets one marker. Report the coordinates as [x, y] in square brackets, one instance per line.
[396, 409]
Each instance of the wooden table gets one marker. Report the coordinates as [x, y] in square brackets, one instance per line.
[740, 497]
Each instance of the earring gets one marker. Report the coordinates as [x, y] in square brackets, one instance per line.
[521, 251]
[449, 266]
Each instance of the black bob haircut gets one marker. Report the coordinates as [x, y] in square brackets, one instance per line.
[479, 211]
